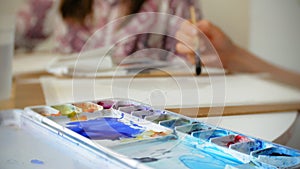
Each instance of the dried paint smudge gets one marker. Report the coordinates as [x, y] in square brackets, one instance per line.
[35, 161]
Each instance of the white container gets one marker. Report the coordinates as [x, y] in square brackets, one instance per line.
[7, 31]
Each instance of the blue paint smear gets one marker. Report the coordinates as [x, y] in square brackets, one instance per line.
[195, 162]
[212, 158]
[188, 152]
[35, 161]
[105, 128]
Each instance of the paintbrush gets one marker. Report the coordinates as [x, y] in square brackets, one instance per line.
[197, 50]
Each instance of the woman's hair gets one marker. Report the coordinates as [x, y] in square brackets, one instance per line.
[135, 6]
[78, 10]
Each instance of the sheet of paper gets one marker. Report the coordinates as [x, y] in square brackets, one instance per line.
[93, 64]
[101, 65]
[26, 63]
[173, 92]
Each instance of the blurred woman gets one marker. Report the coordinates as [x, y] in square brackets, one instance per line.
[76, 21]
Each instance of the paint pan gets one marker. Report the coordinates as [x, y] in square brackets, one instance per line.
[46, 111]
[248, 147]
[209, 134]
[67, 109]
[130, 109]
[175, 122]
[124, 103]
[70, 111]
[88, 107]
[280, 157]
[192, 128]
[106, 104]
[143, 113]
[240, 152]
[226, 141]
[160, 116]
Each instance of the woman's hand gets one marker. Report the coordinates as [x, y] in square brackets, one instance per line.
[233, 57]
[187, 36]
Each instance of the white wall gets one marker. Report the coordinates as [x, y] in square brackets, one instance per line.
[268, 28]
[9, 6]
[275, 31]
[232, 16]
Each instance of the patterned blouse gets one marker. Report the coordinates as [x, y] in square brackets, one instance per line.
[153, 27]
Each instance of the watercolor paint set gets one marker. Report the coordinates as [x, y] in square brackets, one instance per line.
[130, 134]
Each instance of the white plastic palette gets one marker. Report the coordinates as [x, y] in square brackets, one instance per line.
[153, 138]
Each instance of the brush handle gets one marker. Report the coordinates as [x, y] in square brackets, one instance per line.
[197, 51]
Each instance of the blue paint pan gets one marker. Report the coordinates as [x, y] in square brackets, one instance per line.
[160, 116]
[279, 157]
[248, 147]
[175, 122]
[143, 113]
[130, 109]
[209, 134]
[193, 128]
